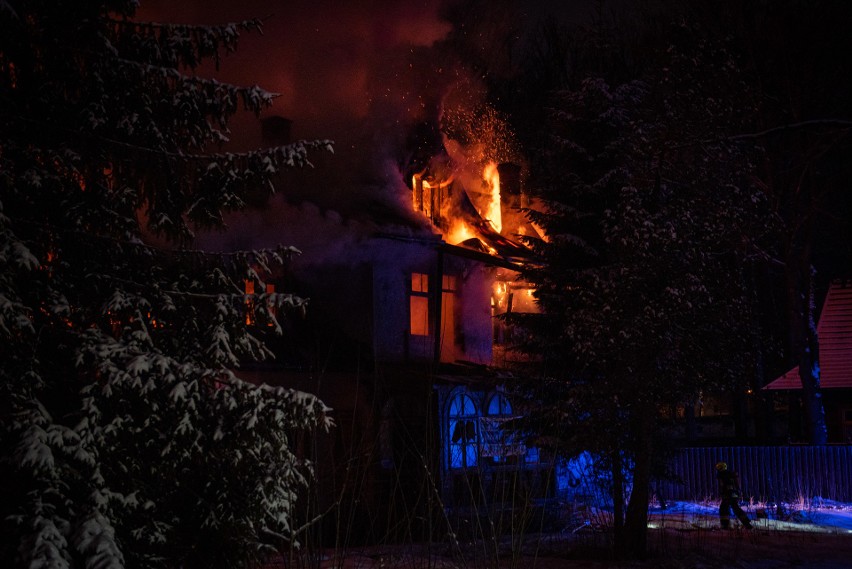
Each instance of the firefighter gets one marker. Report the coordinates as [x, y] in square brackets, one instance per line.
[729, 491]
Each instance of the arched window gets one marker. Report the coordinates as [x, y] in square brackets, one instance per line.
[499, 406]
[463, 431]
[497, 443]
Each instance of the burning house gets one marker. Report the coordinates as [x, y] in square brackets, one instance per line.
[403, 340]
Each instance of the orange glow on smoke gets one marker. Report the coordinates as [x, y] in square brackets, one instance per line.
[492, 178]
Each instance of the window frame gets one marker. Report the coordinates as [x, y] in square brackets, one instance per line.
[462, 454]
[418, 293]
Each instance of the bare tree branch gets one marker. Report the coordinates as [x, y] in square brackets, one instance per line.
[845, 124]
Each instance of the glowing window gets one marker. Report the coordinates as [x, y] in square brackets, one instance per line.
[419, 305]
[463, 432]
[249, 302]
[523, 300]
[250, 291]
[419, 282]
[448, 317]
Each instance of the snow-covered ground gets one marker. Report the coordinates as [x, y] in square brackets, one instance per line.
[825, 517]
[684, 535]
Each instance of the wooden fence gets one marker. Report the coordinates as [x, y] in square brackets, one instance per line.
[767, 474]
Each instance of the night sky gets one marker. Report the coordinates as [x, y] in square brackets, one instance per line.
[364, 74]
[357, 73]
[336, 63]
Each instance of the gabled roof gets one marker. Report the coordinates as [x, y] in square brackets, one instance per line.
[835, 343]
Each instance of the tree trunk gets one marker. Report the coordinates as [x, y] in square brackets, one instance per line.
[636, 520]
[804, 342]
[740, 408]
[795, 425]
[809, 373]
[618, 501]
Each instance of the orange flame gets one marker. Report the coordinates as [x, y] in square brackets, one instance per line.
[492, 177]
[459, 231]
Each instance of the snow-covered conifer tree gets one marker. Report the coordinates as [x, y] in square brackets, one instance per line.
[651, 219]
[126, 438]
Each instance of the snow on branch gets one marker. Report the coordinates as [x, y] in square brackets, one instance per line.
[95, 538]
[254, 98]
[180, 44]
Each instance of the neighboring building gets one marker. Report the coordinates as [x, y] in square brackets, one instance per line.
[834, 332]
[774, 414]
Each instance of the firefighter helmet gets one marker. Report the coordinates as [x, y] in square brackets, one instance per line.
[721, 466]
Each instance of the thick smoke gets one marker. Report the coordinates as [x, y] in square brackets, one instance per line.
[377, 77]
[361, 74]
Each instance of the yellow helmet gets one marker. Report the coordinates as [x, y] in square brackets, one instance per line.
[721, 466]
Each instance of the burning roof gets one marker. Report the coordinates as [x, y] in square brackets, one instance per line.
[483, 218]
